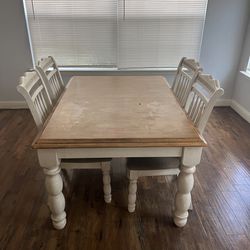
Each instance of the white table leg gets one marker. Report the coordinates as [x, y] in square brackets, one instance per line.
[53, 182]
[132, 194]
[105, 166]
[185, 181]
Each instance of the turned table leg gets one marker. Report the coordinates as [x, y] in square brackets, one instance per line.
[56, 201]
[54, 186]
[132, 194]
[185, 181]
[105, 166]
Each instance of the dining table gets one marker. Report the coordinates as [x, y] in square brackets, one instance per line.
[118, 117]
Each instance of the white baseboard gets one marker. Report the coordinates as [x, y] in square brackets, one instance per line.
[224, 103]
[13, 105]
[238, 108]
[244, 113]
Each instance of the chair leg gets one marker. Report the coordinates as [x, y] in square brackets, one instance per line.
[191, 205]
[66, 180]
[105, 166]
[132, 194]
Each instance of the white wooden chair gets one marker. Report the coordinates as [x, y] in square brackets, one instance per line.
[49, 73]
[201, 100]
[36, 95]
[34, 91]
[186, 75]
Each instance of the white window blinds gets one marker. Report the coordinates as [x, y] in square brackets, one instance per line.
[120, 33]
[74, 32]
[158, 33]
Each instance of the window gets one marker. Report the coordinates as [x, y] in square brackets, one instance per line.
[76, 33]
[116, 33]
[248, 66]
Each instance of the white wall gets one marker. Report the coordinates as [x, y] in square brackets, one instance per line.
[14, 48]
[223, 36]
[242, 86]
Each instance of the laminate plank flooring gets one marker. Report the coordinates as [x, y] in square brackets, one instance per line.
[221, 197]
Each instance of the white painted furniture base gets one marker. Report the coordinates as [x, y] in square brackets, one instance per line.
[50, 161]
[103, 165]
[136, 169]
[135, 172]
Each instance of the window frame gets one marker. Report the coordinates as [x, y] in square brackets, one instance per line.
[248, 66]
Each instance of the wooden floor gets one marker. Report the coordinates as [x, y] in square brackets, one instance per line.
[221, 197]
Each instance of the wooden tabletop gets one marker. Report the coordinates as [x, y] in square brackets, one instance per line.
[118, 111]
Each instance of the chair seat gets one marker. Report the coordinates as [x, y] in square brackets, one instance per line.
[156, 163]
[142, 167]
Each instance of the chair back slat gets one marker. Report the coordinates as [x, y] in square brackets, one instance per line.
[196, 108]
[51, 73]
[201, 100]
[36, 92]
[186, 75]
[36, 95]
[182, 87]
[42, 105]
[55, 85]
[51, 76]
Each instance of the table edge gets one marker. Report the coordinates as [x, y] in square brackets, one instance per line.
[120, 144]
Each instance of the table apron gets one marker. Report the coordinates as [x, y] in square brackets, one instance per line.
[65, 153]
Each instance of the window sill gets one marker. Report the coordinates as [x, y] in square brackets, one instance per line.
[245, 73]
[94, 69]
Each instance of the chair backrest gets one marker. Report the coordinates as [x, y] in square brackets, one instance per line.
[36, 95]
[51, 77]
[201, 100]
[186, 75]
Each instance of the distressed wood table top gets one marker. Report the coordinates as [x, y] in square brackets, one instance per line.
[118, 111]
